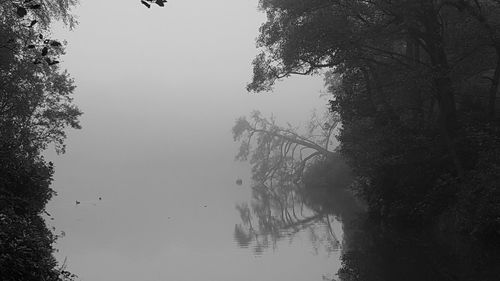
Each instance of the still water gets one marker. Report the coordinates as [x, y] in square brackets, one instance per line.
[162, 226]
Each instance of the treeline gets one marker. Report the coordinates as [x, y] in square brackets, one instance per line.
[414, 85]
[35, 109]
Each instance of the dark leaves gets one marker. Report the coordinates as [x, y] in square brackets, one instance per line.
[35, 6]
[161, 3]
[54, 43]
[53, 62]
[146, 4]
[33, 22]
[44, 52]
[21, 12]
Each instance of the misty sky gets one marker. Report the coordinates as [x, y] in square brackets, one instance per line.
[160, 89]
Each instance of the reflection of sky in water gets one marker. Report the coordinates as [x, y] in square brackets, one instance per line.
[160, 89]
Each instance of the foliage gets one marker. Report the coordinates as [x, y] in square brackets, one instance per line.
[36, 107]
[326, 188]
[26, 249]
[26, 244]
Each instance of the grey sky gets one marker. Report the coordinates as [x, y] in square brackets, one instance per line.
[160, 89]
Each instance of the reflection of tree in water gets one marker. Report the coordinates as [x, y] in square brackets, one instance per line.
[266, 222]
[312, 204]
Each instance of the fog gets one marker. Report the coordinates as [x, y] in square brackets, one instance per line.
[160, 90]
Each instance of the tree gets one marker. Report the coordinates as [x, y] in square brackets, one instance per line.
[281, 150]
[36, 107]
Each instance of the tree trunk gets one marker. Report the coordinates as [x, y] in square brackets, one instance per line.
[295, 140]
[448, 118]
[494, 87]
[443, 86]
[446, 103]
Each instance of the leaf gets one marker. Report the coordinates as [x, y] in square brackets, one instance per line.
[37, 61]
[161, 3]
[35, 6]
[55, 44]
[53, 62]
[31, 46]
[40, 36]
[145, 3]
[45, 50]
[21, 12]
[33, 22]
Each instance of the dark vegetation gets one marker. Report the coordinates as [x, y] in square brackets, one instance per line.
[414, 87]
[35, 109]
[374, 252]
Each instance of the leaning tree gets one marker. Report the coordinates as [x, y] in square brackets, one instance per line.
[279, 156]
